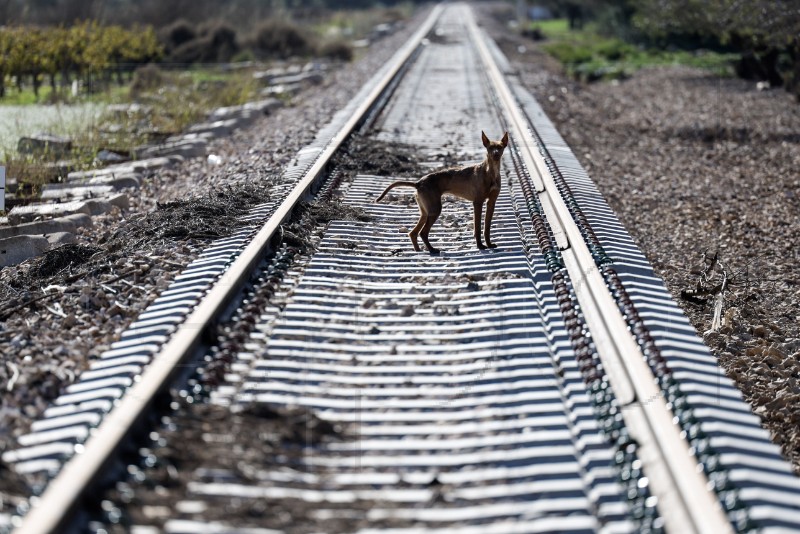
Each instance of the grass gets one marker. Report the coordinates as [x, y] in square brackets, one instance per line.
[589, 56]
[175, 99]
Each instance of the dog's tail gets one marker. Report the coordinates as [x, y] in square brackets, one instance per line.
[396, 184]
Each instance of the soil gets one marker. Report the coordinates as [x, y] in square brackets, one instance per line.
[267, 439]
[699, 166]
[364, 155]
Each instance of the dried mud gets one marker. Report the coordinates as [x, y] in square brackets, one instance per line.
[197, 448]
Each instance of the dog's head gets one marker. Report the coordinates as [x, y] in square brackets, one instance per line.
[495, 148]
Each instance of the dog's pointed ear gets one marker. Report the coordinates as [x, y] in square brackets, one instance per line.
[484, 139]
[504, 140]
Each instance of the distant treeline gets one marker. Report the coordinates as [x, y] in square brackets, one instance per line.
[160, 13]
[765, 32]
[57, 42]
[83, 51]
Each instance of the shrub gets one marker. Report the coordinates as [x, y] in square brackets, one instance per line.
[177, 34]
[337, 50]
[568, 53]
[146, 78]
[615, 49]
[223, 41]
[281, 39]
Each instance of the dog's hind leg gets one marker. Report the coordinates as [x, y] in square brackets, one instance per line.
[433, 214]
[423, 216]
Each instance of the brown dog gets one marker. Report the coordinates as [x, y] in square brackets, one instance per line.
[477, 183]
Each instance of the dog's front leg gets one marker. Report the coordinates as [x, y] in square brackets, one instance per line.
[478, 209]
[488, 223]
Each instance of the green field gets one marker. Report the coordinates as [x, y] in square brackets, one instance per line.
[589, 56]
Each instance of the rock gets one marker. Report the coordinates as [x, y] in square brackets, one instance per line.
[15, 250]
[69, 223]
[45, 144]
[760, 331]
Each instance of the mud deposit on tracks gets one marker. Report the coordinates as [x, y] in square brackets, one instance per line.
[364, 155]
[695, 164]
[207, 443]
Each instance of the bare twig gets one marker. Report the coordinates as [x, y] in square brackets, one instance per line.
[716, 322]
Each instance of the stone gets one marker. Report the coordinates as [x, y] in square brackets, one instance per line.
[15, 250]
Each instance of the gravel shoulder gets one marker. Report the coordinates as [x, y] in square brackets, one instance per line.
[696, 165]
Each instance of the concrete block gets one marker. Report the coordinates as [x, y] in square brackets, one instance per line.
[61, 238]
[120, 200]
[70, 191]
[15, 250]
[53, 146]
[187, 148]
[117, 182]
[151, 163]
[265, 106]
[112, 171]
[125, 169]
[24, 214]
[98, 206]
[197, 136]
[68, 223]
[303, 78]
[282, 89]
[217, 128]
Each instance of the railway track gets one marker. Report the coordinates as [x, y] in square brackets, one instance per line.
[550, 385]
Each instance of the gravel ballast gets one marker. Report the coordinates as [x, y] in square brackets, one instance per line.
[698, 167]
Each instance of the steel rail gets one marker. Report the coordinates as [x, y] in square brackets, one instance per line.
[684, 499]
[50, 511]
